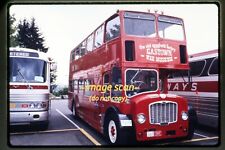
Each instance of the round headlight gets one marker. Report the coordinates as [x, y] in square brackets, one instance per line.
[141, 118]
[184, 116]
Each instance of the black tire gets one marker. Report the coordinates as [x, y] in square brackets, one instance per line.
[43, 125]
[113, 131]
[74, 112]
[193, 121]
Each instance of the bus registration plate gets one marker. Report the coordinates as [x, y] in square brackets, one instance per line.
[154, 133]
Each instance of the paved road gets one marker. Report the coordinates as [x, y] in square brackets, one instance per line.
[64, 130]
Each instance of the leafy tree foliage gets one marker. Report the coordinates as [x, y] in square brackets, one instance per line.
[12, 31]
[26, 34]
[63, 91]
[29, 36]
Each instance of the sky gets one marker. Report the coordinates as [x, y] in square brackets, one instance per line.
[65, 26]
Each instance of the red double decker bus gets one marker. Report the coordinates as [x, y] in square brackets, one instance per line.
[118, 78]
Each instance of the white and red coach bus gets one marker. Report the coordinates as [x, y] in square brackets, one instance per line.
[128, 57]
[29, 87]
[202, 91]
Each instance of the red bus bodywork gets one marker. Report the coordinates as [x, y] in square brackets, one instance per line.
[130, 53]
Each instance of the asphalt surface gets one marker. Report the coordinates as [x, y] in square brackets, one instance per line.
[65, 130]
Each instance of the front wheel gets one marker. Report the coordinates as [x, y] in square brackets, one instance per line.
[193, 121]
[113, 131]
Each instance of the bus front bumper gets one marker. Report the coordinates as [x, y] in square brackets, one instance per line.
[156, 132]
[19, 118]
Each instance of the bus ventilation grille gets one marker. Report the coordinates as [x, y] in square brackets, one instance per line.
[163, 113]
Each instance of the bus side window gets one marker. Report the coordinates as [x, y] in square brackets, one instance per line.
[80, 85]
[77, 53]
[196, 68]
[213, 70]
[116, 81]
[106, 83]
[112, 28]
[87, 90]
[90, 41]
[72, 55]
[75, 84]
[99, 36]
[83, 47]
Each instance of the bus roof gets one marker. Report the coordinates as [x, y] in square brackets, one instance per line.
[210, 52]
[41, 55]
[156, 13]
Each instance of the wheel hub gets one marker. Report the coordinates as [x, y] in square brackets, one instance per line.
[112, 132]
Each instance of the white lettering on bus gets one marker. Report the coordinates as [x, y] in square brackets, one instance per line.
[176, 87]
[182, 87]
[194, 86]
[158, 52]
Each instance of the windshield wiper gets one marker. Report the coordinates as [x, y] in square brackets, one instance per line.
[131, 81]
[28, 85]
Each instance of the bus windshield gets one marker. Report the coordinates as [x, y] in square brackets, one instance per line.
[170, 28]
[27, 70]
[139, 24]
[144, 80]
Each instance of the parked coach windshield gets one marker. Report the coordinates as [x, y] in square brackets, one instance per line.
[27, 70]
[139, 24]
[170, 28]
[142, 79]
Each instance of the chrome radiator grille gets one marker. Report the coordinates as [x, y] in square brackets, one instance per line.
[163, 112]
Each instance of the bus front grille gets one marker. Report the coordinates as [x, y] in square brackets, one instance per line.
[163, 112]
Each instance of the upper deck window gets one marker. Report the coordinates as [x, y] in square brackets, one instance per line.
[27, 70]
[113, 28]
[170, 28]
[90, 41]
[79, 51]
[99, 36]
[72, 55]
[139, 24]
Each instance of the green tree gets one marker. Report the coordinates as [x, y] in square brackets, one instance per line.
[29, 36]
[53, 75]
[63, 91]
[12, 31]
